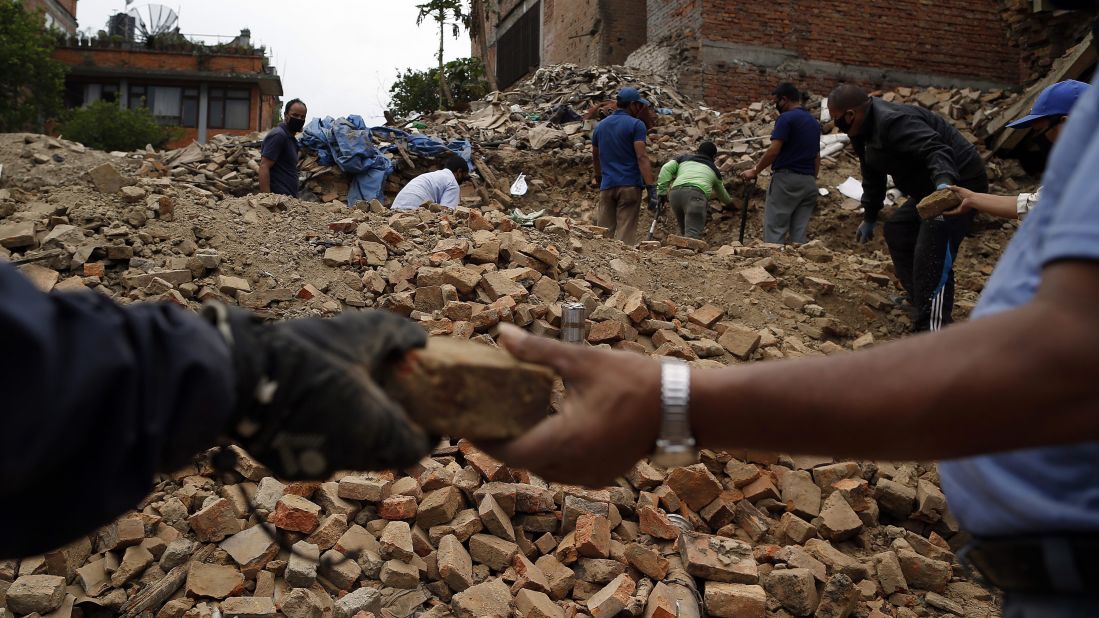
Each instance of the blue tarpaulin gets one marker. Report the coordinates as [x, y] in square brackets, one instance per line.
[353, 147]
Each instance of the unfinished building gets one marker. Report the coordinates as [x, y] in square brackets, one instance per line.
[731, 52]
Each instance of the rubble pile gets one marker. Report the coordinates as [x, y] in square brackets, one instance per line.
[460, 271]
[518, 131]
[522, 132]
[739, 534]
[227, 165]
[579, 87]
[531, 105]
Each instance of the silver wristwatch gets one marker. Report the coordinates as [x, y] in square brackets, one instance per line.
[675, 446]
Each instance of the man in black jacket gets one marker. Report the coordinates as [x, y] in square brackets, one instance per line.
[923, 153]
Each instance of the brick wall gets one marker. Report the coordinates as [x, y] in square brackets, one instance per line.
[158, 60]
[584, 32]
[673, 19]
[744, 48]
[68, 5]
[567, 32]
[625, 28]
[1042, 37]
[734, 87]
[673, 44]
[948, 37]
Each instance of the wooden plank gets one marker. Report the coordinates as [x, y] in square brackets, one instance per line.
[1070, 66]
[404, 154]
[486, 172]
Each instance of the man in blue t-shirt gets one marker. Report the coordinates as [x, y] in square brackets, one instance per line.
[794, 158]
[622, 166]
[278, 168]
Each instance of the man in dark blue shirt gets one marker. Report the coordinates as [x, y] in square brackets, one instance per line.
[622, 166]
[278, 169]
[794, 157]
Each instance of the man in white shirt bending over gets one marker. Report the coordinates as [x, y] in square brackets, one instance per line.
[441, 187]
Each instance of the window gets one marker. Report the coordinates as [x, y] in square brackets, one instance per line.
[229, 108]
[189, 112]
[109, 92]
[166, 103]
[137, 97]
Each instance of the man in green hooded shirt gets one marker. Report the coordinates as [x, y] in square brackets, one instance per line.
[687, 183]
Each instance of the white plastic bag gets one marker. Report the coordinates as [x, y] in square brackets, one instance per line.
[519, 187]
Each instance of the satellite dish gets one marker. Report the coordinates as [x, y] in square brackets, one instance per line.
[154, 20]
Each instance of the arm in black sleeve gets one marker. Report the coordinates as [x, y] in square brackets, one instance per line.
[873, 191]
[97, 398]
[914, 136]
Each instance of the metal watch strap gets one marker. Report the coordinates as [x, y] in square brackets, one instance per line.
[675, 445]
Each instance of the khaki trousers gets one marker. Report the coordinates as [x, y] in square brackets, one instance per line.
[618, 211]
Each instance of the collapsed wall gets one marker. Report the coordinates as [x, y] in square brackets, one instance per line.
[729, 53]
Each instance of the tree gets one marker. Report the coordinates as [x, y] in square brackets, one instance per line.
[105, 126]
[441, 10]
[417, 91]
[31, 81]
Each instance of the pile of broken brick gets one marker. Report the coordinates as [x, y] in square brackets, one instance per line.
[458, 272]
[756, 534]
[753, 535]
[228, 165]
[531, 103]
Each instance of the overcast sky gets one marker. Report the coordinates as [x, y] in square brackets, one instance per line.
[340, 56]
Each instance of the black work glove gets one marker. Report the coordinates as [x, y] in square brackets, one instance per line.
[654, 199]
[308, 400]
[865, 233]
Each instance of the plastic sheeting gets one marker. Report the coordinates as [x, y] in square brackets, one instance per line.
[360, 151]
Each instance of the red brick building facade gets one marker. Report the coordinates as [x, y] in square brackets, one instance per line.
[205, 91]
[731, 52]
[736, 51]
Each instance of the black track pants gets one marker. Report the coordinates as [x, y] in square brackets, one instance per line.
[923, 255]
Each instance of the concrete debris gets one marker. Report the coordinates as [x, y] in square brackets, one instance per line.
[461, 534]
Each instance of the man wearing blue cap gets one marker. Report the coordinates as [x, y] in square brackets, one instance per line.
[622, 166]
[1047, 118]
